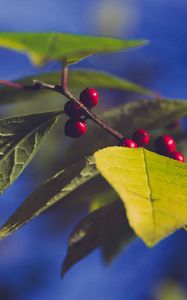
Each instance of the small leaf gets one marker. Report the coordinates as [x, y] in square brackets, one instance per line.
[152, 187]
[70, 48]
[116, 242]
[20, 139]
[92, 231]
[103, 199]
[76, 79]
[148, 114]
[50, 192]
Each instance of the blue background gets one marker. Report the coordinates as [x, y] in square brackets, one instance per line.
[31, 258]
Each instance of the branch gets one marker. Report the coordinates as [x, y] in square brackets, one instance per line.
[62, 89]
[12, 84]
[37, 85]
[92, 116]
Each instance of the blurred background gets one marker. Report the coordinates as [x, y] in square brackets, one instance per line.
[31, 258]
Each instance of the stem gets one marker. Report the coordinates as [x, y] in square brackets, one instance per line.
[12, 84]
[62, 89]
[38, 85]
[64, 79]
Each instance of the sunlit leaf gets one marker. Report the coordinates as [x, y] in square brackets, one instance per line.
[44, 47]
[152, 187]
[20, 139]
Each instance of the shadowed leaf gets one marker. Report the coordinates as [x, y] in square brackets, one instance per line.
[50, 192]
[98, 79]
[117, 240]
[103, 198]
[92, 231]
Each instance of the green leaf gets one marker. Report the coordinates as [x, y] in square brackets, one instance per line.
[76, 79]
[50, 192]
[82, 78]
[70, 48]
[152, 187]
[103, 199]
[148, 114]
[20, 139]
[172, 290]
[92, 231]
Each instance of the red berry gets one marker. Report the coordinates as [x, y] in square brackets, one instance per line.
[72, 109]
[89, 97]
[75, 128]
[165, 144]
[177, 156]
[128, 143]
[141, 137]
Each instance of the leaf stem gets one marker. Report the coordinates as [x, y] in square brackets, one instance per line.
[64, 79]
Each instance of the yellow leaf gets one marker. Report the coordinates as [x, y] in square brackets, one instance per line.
[153, 189]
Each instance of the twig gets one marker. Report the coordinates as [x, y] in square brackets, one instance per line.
[93, 117]
[12, 84]
[62, 89]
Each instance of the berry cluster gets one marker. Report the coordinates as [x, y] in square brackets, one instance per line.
[140, 138]
[76, 125]
[164, 145]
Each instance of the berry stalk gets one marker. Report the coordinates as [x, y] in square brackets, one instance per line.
[65, 92]
[64, 79]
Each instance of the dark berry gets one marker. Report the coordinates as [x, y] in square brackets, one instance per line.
[141, 137]
[165, 144]
[72, 109]
[177, 156]
[89, 97]
[75, 128]
[128, 143]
